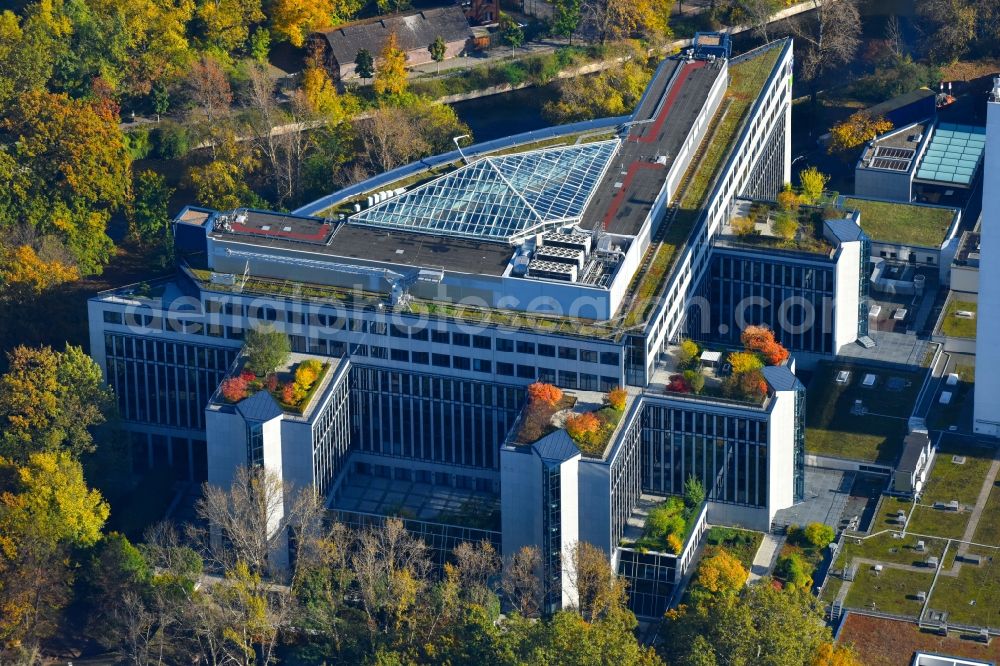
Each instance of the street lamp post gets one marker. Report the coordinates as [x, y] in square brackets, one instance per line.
[457, 145]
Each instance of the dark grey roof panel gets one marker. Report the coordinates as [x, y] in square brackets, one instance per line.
[914, 443]
[845, 230]
[781, 378]
[259, 407]
[557, 446]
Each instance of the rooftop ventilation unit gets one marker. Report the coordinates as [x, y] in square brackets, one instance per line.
[571, 240]
[552, 270]
[562, 255]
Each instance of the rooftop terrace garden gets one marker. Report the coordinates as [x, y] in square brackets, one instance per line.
[789, 224]
[670, 523]
[746, 80]
[735, 376]
[847, 418]
[266, 364]
[802, 553]
[549, 409]
[903, 223]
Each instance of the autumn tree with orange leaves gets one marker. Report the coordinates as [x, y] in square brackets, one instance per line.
[760, 339]
[546, 393]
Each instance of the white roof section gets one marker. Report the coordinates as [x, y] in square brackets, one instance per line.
[711, 356]
[500, 198]
[929, 659]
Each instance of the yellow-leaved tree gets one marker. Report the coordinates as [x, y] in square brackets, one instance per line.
[293, 20]
[226, 23]
[46, 511]
[857, 129]
[25, 273]
[813, 182]
[721, 574]
[321, 98]
[390, 70]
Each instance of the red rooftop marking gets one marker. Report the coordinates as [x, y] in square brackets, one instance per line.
[324, 229]
[617, 201]
[668, 103]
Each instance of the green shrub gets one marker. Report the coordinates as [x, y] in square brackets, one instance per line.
[666, 519]
[818, 535]
[138, 143]
[172, 141]
[695, 380]
[794, 571]
[694, 492]
[512, 73]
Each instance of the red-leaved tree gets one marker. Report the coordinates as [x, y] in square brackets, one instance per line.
[233, 389]
[678, 384]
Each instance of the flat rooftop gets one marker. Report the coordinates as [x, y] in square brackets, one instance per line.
[352, 241]
[903, 223]
[953, 155]
[896, 150]
[657, 133]
[262, 226]
[968, 249]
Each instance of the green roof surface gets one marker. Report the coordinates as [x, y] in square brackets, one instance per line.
[903, 223]
[953, 154]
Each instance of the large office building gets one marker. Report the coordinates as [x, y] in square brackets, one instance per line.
[433, 305]
[987, 393]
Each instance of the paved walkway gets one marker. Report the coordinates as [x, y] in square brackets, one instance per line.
[766, 555]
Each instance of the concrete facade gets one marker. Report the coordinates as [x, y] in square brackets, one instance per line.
[987, 389]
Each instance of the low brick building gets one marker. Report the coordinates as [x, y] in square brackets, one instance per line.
[415, 31]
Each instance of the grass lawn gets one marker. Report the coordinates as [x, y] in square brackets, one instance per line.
[903, 223]
[885, 548]
[937, 522]
[741, 544]
[980, 585]
[892, 591]
[988, 530]
[831, 428]
[951, 481]
[959, 327]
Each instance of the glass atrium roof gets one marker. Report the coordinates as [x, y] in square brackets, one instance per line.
[500, 198]
[953, 154]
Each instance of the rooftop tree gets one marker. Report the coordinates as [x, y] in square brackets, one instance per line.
[266, 350]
